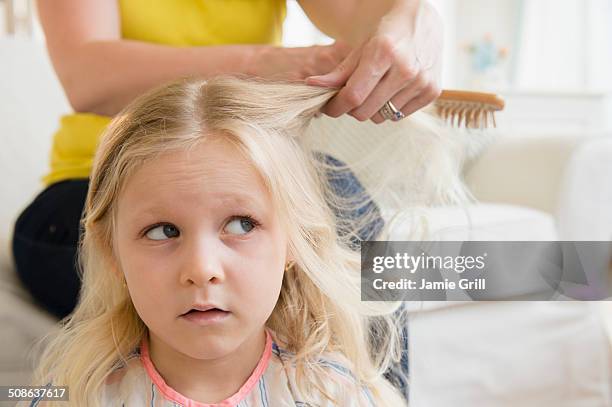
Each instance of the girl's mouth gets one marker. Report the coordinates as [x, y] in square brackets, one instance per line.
[208, 317]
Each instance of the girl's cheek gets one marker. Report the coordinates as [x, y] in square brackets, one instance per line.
[146, 267]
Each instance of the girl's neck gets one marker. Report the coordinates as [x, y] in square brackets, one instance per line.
[207, 381]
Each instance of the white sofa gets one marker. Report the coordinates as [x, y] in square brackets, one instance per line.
[469, 354]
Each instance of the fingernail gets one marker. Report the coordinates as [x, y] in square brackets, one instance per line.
[316, 79]
[320, 81]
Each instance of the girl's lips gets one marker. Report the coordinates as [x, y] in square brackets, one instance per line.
[203, 318]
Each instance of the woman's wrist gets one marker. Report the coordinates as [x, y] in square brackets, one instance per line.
[403, 18]
[281, 63]
[257, 54]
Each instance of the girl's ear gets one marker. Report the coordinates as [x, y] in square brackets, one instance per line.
[114, 267]
[118, 275]
[289, 256]
[289, 260]
[113, 263]
[115, 270]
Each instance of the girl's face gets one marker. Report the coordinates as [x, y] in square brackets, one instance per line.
[199, 227]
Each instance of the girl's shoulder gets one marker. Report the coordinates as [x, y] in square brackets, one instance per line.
[130, 385]
[128, 380]
[339, 378]
[333, 363]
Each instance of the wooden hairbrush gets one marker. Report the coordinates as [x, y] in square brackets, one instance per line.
[474, 110]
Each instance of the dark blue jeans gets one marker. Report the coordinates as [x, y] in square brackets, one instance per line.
[47, 233]
[347, 186]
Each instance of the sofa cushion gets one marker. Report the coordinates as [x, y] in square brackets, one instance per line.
[485, 221]
[23, 323]
[508, 354]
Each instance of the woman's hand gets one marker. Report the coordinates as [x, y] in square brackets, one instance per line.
[400, 61]
[299, 63]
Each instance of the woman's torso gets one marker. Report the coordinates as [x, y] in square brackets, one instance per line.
[167, 22]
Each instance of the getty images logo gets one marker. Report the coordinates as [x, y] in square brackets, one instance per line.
[412, 264]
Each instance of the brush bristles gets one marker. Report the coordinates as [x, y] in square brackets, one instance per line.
[470, 114]
[472, 109]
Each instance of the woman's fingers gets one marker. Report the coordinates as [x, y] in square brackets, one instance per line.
[339, 75]
[425, 97]
[399, 85]
[387, 67]
[360, 74]
[363, 72]
[418, 94]
[373, 75]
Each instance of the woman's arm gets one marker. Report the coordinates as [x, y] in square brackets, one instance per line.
[348, 20]
[101, 73]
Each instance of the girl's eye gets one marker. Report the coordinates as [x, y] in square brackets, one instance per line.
[241, 225]
[162, 232]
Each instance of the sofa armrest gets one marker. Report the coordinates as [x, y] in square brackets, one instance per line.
[564, 175]
[584, 211]
[524, 171]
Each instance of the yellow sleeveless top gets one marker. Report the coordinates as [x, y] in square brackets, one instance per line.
[170, 22]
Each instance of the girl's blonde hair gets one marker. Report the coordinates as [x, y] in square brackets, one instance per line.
[319, 309]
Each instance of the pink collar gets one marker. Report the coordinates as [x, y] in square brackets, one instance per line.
[177, 397]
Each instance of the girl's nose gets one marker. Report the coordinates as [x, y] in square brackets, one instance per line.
[202, 264]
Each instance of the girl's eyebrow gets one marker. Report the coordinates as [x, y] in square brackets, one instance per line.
[242, 200]
[233, 200]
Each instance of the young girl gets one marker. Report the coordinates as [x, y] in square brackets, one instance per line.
[213, 271]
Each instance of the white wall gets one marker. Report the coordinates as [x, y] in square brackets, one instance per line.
[447, 9]
[298, 31]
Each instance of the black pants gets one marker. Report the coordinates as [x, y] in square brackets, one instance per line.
[45, 244]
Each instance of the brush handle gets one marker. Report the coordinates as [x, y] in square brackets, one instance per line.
[491, 100]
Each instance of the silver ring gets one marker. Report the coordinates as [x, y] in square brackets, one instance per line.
[390, 112]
